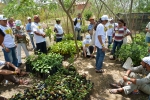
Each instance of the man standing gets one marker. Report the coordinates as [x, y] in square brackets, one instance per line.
[30, 33]
[91, 26]
[39, 35]
[9, 46]
[77, 26]
[100, 38]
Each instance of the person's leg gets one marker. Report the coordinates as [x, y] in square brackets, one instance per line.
[114, 48]
[19, 52]
[11, 78]
[43, 47]
[91, 49]
[119, 45]
[100, 59]
[32, 41]
[97, 57]
[14, 56]
[58, 39]
[145, 88]
[76, 33]
[38, 47]
[79, 34]
[7, 56]
[108, 41]
[129, 88]
[25, 49]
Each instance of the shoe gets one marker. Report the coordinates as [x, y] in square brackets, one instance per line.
[115, 85]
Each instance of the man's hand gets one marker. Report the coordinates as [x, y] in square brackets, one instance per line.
[104, 49]
[125, 78]
[6, 49]
[43, 35]
[17, 70]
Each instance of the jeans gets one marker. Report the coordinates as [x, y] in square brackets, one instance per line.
[78, 33]
[116, 44]
[58, 39]
[41, 47]
[99, 58]
[23, 45]
[11, 56]
[109, 40]
[149, 97]
[31, 39]
[147, 39]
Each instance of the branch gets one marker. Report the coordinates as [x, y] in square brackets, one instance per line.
[85, 6]
[71, 5]
[109, 9]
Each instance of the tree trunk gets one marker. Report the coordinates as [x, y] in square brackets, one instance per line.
[130, 26]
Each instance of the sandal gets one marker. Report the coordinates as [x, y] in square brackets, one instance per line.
[115, 85]
[100, 71]
[114, 91]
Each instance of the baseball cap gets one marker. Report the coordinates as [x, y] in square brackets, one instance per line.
[146, 60]
[2, 17]
[88, 37]
[36, 16]
[29, 18]
[104, 17]
[18, 22]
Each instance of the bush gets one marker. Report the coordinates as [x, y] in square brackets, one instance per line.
[84, 29]
[68, 36]
[65, 47]
[136, 50]
[87, 14]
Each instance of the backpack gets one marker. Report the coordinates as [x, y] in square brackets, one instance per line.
[75, 22]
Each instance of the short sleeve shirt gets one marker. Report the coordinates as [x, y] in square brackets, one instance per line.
[110, 29]
[100, 31]
[28, 27]
[9, 40]
[36, 27]
[59, 29]
[148, 26]
[86, 43]
[78, 25]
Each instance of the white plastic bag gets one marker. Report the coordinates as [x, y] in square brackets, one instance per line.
[47, 42]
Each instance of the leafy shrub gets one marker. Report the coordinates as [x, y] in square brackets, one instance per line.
[84, 29]
[87, 14]
[45, 63]
[65, 47]
[68, 36]
[136, 50]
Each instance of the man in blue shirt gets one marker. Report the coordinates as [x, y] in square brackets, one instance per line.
[91, 26]
[30, 33]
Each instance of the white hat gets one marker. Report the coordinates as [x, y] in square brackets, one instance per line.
[104, 17]
[2, 17]
[110, 19]
[29, 18]
[88, 37]
[146, 60]
[18, 22]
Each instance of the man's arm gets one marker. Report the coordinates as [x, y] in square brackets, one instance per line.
[7, 72]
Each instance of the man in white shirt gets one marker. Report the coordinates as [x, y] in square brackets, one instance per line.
[58, 30]
[77, 26]
[9, 46]
[100, 38]
[147, 38]
[39, 35]
[87, 47]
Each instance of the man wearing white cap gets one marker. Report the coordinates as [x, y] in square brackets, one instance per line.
[130, 84]
[87, 48]
[100, 38]
[30, 33]
[9, 46]
[20, 38]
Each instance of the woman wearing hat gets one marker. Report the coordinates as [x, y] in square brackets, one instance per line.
[87, 48]
[58, 30]
[129, 84]
[21, 40]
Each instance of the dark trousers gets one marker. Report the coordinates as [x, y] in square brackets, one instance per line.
[41, 47]
[58, 39]
[10, 78]
[116, 45]
[91, 49]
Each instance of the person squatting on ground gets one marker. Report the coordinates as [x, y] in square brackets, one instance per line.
[39, 35]
[29, 31]
[100, 38]
[58, 30]
[9, 46]
[119, 35]
[87, 48]
[20, 38]
[130, 83]
[77, 26]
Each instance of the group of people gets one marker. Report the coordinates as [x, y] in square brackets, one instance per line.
[115, 33]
